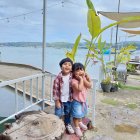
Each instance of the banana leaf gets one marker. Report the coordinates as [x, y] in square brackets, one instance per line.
[94, 23]
[90, 5]
[72, 54]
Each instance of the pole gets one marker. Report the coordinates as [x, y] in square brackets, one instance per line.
[43, 51]
[116, 36]
[110, 43]
[44, 36]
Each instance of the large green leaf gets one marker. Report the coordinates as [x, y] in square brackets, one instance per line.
[72, 54]
[90, 5]
[94, 23]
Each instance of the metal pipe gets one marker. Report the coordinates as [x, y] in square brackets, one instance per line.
[110, 43]
[13, 115]
[16, 98]
[31, 91]
[44, 36]
[5, 83]
[24, 96]
[37, 98]
[94, 102]
[116, 42]
[43, 51]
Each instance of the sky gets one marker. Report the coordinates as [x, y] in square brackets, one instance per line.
[66, 19]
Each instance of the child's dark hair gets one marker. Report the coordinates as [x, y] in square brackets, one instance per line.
[77, 66]
[65, 60]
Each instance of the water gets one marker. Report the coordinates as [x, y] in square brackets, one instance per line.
[7, 102]
[33, 56]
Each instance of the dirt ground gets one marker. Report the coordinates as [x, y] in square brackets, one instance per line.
[120, 121]
[118, 113]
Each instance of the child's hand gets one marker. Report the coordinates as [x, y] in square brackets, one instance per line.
[83, 74]
[87, 76]
[57, 104]
[80, 78]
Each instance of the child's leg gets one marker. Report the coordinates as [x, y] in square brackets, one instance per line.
[81, 125]
[77, 128]
[67, 109]
[76, 122]
[67, 117]
[77, 113]
[84, 110]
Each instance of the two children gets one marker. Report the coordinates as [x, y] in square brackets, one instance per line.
[69, 92]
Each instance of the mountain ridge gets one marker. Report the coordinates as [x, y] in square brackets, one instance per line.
[61, 44]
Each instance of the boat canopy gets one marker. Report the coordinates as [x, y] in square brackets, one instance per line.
[121, 15]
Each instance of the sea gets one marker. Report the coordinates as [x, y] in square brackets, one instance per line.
[33, 56]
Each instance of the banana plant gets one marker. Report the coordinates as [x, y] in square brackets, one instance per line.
[95, 30]
[124, 54]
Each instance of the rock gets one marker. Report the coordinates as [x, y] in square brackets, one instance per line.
[39, 126]
[49, 109]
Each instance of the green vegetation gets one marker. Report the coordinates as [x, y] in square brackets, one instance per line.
[123, 56]
[95, 45]
[132, 105]
[107, 80]
[110, 101]
[131, 68]
[131, 87]
[128, 87]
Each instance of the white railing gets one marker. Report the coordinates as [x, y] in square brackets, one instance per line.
[32, 86]
[26, 87]
[93, 103]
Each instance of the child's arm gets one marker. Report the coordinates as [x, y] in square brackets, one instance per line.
[56, 93]
[87, 81]
[79, 85]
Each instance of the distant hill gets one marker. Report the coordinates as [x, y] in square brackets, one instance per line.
[60, 44]
[136, 43]
[39, 44]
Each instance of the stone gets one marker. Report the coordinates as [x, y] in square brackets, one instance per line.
[40, 126]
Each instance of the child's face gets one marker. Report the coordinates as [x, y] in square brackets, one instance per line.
[66, 68]
[79, 72]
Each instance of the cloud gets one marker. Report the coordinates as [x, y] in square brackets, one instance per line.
[64, 21]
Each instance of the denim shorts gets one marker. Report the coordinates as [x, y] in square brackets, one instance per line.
[79, 109]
